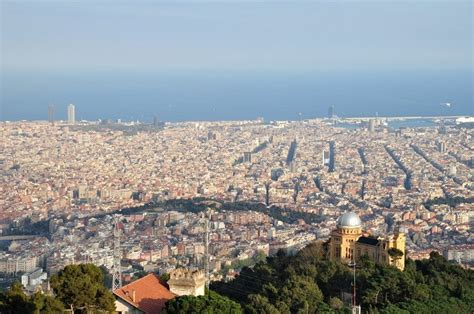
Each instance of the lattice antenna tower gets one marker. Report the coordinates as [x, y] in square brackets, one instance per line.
[206, 242]
[116, 268]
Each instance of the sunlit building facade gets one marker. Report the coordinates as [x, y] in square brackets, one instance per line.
[348, 243]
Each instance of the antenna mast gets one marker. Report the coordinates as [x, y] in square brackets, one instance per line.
[116, 268]
[355, 308]
[206, 241]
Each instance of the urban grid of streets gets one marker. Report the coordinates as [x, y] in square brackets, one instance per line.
[69, 174]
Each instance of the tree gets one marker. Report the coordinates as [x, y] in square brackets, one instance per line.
[139, 274]
[260, 304]
[314, 251]
[301, 292]
[336, 303]
[421, 292]
[108, 278]
[260, 256]
[46, 304]
[81, 288]
[210, 303]
[395, 254]
[164, 277]
[16, 301]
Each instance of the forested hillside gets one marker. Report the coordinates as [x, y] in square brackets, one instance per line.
[309, 283]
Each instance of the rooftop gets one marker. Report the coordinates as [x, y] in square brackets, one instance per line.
[368, 240]
[349, 220]
[147, 294]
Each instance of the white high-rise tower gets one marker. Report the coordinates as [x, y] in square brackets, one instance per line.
[71, 114]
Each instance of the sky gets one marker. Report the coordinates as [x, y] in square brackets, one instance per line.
[241, 35]
[187, 60]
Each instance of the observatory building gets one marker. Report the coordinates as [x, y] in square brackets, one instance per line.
[348, 243]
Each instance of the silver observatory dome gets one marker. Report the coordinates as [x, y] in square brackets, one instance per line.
[349, 220]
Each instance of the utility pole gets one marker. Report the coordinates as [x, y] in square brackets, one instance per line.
[116, 268]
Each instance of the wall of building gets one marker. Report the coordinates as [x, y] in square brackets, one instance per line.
[342, 243]
[125, 308]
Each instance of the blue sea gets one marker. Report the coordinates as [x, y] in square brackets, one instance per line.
[228, 95]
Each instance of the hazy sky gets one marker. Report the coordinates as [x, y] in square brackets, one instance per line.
[333, 35]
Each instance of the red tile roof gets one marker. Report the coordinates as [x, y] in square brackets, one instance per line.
[150, 294]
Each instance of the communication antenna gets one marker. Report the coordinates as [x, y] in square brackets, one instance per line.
[116, 268]
[206, 241]
[355, 308]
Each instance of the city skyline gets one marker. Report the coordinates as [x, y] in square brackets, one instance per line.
[279, 185]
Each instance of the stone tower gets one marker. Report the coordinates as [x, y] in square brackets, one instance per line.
[184, 281]
[397, 240]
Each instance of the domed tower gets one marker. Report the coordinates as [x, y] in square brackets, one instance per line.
[343, 239]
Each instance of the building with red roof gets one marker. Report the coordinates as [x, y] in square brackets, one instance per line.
[145, 295]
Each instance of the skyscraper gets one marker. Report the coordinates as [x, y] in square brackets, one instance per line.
[332, 157]
[442, 147]
[248, 157]
[156, 121]
[325, 158]
[71, 114]
[51, 114]
[291, 152]
[331, 112]
[372, 125]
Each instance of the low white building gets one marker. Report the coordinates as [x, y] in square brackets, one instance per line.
[33, 279]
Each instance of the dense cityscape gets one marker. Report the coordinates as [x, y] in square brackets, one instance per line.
[72, 177]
